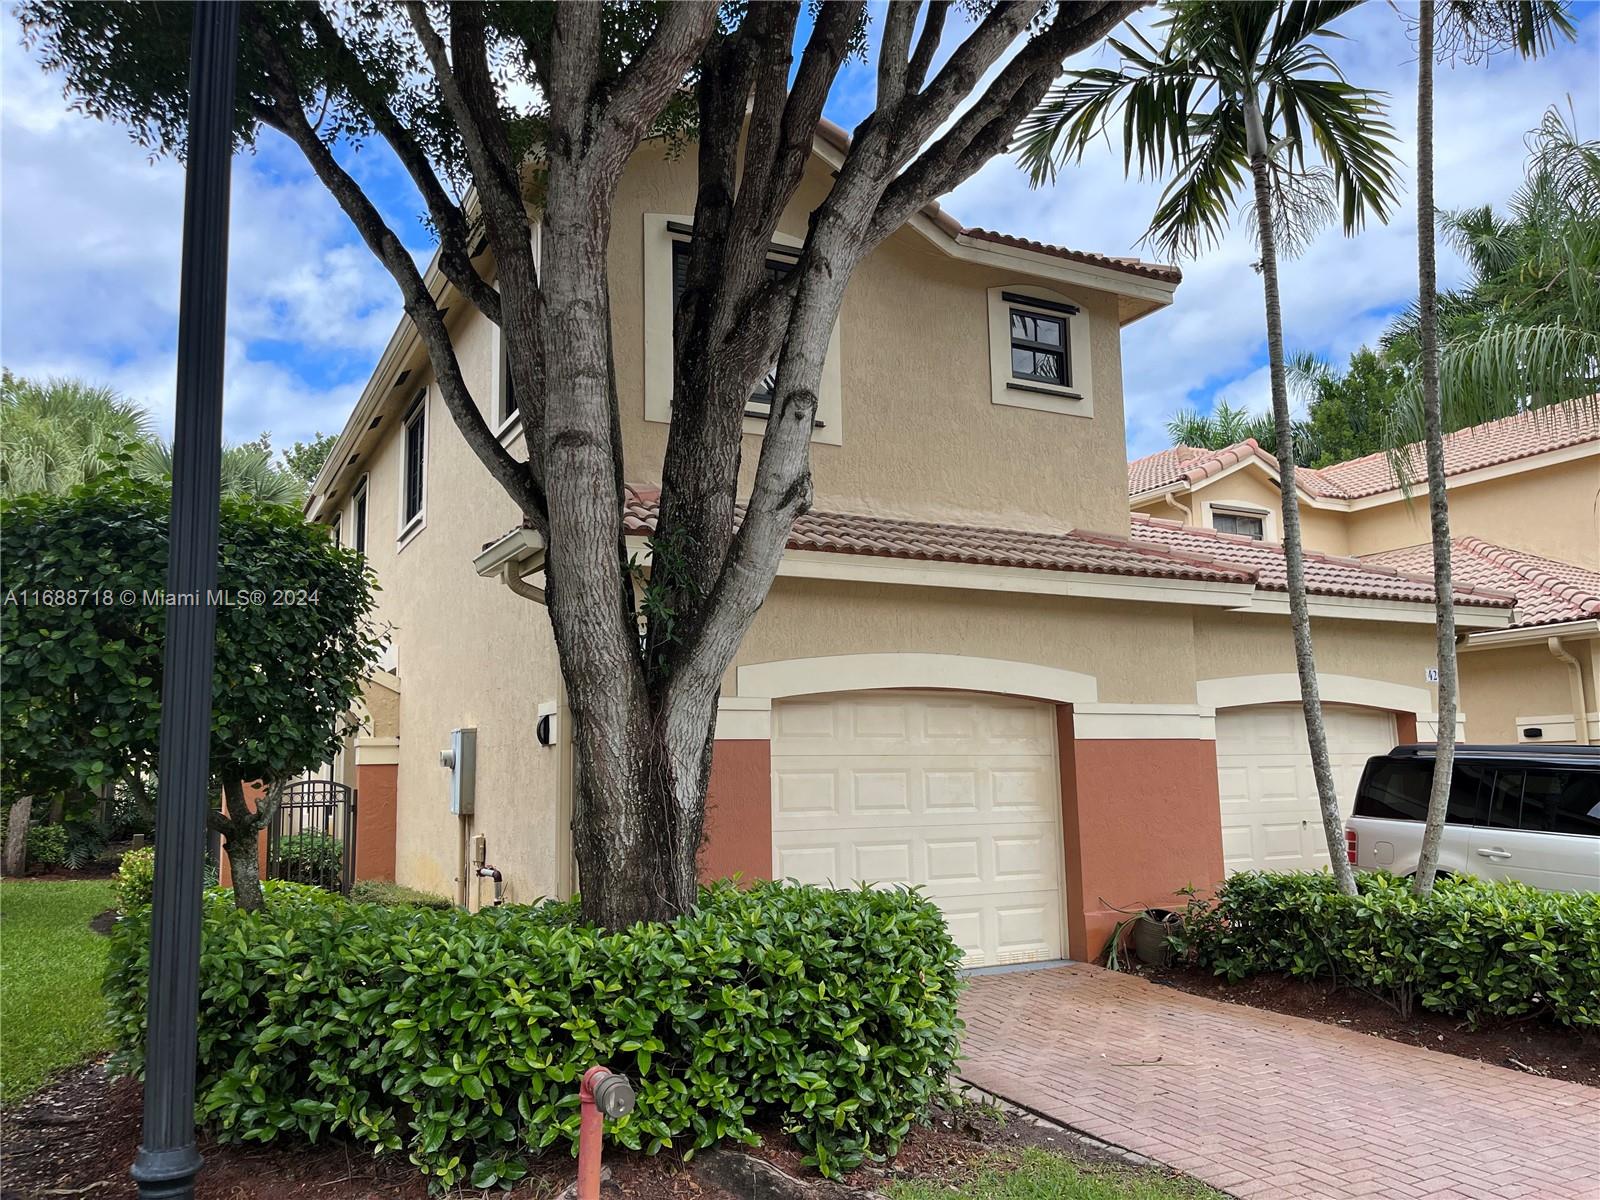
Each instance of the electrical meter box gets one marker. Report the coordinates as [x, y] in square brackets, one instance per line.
[461, 760]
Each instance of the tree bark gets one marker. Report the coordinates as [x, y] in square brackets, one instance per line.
[241, 828]
[16, 852]
[1433, 436]
[1293, 549]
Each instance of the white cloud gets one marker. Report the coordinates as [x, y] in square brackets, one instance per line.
[90, 238]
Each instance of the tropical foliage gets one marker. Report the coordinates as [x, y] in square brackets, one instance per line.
[1227, 425]
[458, 1038]
[1525, 328]
[57, 433]
[1470, 947]
[84, 621]
[248, 469]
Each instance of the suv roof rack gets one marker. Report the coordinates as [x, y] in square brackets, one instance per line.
[1585, 754]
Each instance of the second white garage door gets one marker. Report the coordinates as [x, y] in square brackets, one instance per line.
[1270, 817]
[952, 791]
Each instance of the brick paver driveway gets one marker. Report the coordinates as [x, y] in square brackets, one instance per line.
[1259, 1104]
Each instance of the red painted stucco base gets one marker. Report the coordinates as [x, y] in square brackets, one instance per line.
[738, 835]
[1139, 821]
[376, 810]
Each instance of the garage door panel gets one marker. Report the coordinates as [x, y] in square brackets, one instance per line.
[956, 794]
[1270, 815]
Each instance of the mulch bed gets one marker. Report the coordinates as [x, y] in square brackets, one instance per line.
[78, 1137]
[1537, 1047]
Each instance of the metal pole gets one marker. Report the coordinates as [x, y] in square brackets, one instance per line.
[167, 1160]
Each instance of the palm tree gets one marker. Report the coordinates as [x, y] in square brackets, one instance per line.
[247, 470]
[1227, 425]
[1242, 91]
[1473, 28]
[60, 432]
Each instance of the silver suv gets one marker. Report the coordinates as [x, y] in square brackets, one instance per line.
[1516, 812]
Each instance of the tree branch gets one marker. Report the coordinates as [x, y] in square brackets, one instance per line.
[288, 115]
[927, 45]
[455, 251]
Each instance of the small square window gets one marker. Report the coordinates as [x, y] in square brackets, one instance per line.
[1039, 348]
[1239, 523]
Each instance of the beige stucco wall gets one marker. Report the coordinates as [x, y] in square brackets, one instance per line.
[467, 653]
[1239, 644]
[1498, 686]
[920, 433]
[1553, 511]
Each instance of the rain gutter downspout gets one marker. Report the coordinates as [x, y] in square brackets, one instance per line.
[1580, 709]
[1188, 513]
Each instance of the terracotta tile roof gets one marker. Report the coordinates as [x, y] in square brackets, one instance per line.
[1490, 444]
[1325, 574]
[934, 541]
[1547, 591]
[1133, 266]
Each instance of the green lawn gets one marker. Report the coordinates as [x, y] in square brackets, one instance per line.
[1040, 1175]
[51, 1012]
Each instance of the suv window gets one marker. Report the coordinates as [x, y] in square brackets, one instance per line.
[1561, 802]
[1397, 790]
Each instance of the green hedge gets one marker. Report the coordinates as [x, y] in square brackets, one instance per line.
[460, 1038]
[381, 891]
[1471, 947]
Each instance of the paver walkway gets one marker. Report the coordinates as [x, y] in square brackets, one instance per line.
[1259, 1104]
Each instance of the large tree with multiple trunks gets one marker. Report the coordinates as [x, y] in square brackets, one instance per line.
[504, 113]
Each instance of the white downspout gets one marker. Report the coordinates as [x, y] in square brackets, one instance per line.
[1580, 709]
[1188, 513]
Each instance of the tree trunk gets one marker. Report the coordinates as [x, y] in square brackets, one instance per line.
[16, 852]
[1293, 551]
[246, 870]
[241, 832]
[1433, 433]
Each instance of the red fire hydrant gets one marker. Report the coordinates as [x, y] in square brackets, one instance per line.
[602, 1095]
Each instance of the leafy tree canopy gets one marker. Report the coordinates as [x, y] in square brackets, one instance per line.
[84, 620]
[306, 459]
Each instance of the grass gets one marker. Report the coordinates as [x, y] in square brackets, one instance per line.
[1041, 1175]
[52, 1014]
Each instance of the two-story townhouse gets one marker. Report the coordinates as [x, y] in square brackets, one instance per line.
[1524, 497]
[967, 675]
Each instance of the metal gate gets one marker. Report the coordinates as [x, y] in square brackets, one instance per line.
[312, 839]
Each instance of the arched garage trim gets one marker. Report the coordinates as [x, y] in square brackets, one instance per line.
[861, 672]
[1239, 690]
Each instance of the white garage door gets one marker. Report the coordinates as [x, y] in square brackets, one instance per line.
[1270, 817]
[951, 791]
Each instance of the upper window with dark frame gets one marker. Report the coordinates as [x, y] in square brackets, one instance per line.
[358, 507]
[416, 448]
[760, 402]
[508, 385]
[1039, 351]
[1244, 524]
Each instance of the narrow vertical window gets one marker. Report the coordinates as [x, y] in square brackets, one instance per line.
[508, 386]
[416, 440]
[359, 516]
[333, 531]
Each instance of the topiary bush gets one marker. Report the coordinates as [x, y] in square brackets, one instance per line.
[460, 1038]
[312, 857]
[1472, 947]
[135, 880]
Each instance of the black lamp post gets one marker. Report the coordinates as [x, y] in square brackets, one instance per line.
[167, 1161]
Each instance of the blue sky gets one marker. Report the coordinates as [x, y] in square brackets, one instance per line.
[89, 235]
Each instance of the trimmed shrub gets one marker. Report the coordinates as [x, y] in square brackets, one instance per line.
[1472, 948]
[381, 891]
[47, 845]
[135, 880]
[460, 1038]
[312, 857]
